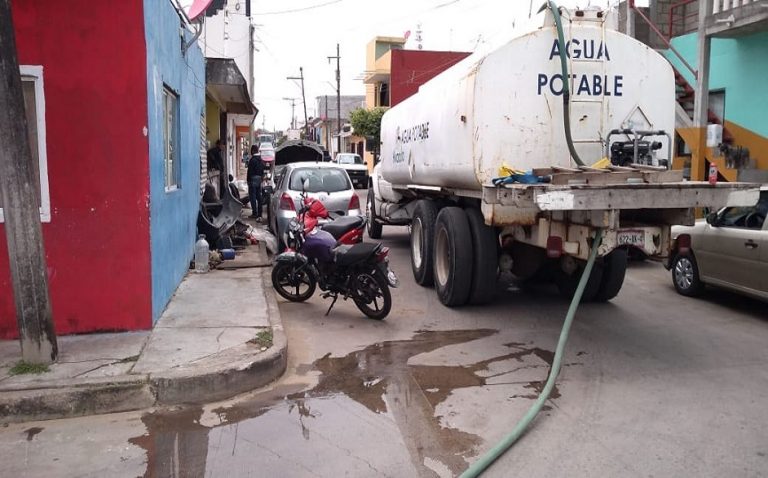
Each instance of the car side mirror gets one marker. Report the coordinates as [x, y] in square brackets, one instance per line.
[712, 219]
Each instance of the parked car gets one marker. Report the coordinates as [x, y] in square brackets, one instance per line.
[355, 167]
[326, 182]
[728, 249]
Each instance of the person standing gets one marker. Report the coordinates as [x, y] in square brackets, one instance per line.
[215, 158]
[255, 175]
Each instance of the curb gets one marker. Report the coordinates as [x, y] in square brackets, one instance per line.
[231, 372]
[116, 394]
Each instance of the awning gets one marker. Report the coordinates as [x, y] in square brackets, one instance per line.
[224, 80]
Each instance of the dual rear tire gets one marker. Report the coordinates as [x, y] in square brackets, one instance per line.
[604, 282]
[454, 250]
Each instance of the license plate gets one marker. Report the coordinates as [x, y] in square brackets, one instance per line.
[392, 279]
[631, 238]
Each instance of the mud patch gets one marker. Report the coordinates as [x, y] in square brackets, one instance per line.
[32, 432]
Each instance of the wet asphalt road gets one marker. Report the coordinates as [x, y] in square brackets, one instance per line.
[654, 384]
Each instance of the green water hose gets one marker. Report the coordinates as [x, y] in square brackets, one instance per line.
[566, 79]
[486, 460]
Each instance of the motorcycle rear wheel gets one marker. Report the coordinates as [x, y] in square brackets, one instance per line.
[292, 283]
[372, 295]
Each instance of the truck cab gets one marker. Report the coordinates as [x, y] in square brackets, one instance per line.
[355, 167]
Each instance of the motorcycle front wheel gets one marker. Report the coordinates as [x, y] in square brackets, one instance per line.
[293, 282]
[372, 295]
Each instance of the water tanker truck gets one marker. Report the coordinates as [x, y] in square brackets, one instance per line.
[511, 160]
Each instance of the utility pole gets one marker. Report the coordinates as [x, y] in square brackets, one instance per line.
[23, 232]
[630, 26]
[325, 125]
[701, 96]
[293, 111]
[303, 99]
[338, 97]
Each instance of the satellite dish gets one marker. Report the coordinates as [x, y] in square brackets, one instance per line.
[198, 8]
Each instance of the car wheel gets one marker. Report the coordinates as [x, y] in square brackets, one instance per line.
[685, 275]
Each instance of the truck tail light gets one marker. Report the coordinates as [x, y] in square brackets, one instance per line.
[286, 203]
[554, 247]
[684, 243]
[354, 202]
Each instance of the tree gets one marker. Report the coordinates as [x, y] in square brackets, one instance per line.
[367, 123]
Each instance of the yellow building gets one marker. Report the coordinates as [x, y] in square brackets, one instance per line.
[378, 73]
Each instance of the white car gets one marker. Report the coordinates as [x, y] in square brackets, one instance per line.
[326, 182]
[355, 167]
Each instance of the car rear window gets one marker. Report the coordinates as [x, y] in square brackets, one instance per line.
[350, 159]
[329, 180]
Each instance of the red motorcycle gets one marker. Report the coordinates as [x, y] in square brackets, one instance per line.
[345, 229]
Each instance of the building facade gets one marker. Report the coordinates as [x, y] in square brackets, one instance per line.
[733, 38]
[228, 34]
[394, 74]
[117, 141]
[325, 127]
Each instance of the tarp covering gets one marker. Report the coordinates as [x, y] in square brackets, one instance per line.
[297, 150]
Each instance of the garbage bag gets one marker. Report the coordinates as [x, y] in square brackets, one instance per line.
[263, 235]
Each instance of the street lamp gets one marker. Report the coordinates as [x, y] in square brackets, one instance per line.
[303, 98]
[293, 111]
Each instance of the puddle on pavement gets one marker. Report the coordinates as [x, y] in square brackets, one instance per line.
[377, 377]
[176, 443]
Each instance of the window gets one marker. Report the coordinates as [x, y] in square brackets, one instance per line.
[171, 139]
[328, 180]
[34, 109]
[749, 217]
[350, 158]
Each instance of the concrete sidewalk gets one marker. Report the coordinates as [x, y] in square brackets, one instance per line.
[220, 335]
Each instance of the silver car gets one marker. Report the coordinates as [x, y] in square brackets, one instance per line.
[729, 249]
[326, 182]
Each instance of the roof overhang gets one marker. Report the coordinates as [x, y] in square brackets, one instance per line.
[377, 76]
[226, 83]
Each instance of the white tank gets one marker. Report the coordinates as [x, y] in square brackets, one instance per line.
[506, 107]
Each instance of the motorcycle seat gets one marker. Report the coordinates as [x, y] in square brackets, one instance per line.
[347, 255]
[339, 227]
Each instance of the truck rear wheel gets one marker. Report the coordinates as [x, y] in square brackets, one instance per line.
[422, 241]
[614, 270]
[485, 258]
[374, 228]
[567, 283]
[453, 257]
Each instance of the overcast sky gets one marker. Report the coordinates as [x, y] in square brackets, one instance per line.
[304, 33]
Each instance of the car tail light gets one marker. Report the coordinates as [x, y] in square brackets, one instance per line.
[554, 247]
[354, 202]
[286, 203]
[382, 255]
[684, 243]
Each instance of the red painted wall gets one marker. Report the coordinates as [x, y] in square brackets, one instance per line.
[413, 68]
[97, 243]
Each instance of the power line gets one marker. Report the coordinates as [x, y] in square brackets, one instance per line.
[294, 10]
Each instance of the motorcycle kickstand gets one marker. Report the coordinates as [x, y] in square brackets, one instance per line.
[335, 298]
